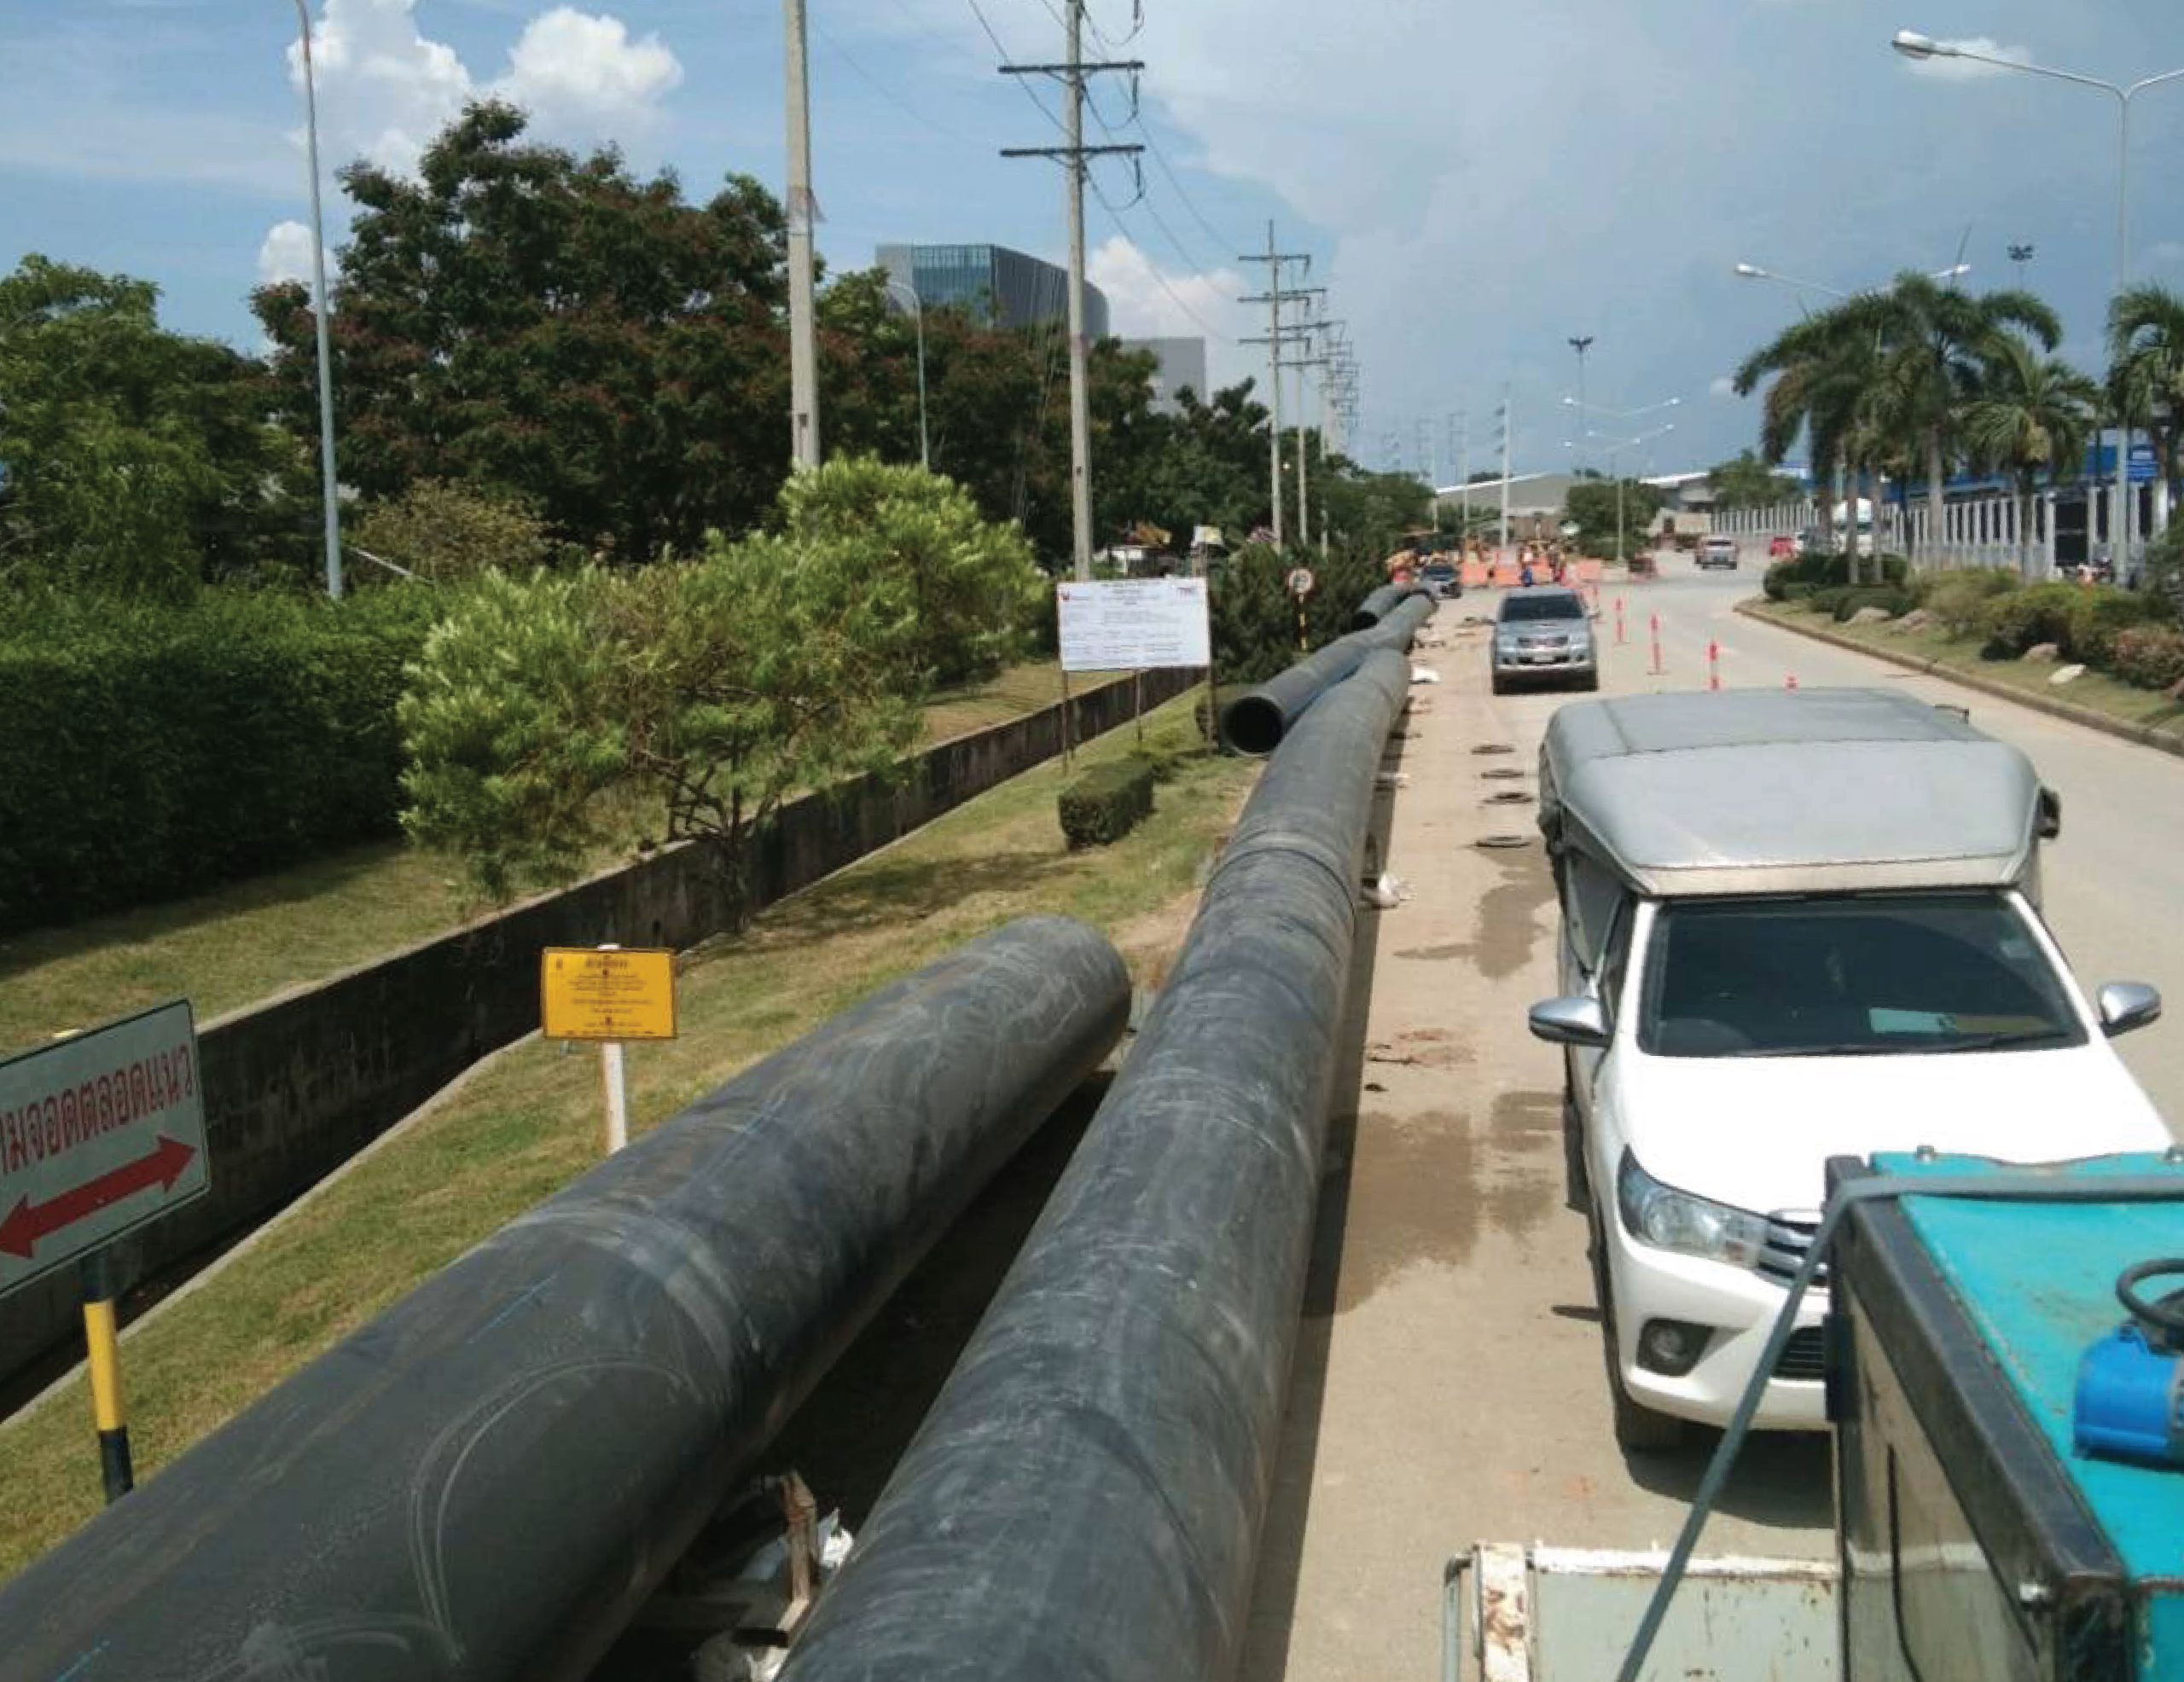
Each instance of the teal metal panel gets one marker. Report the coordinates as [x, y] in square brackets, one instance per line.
[2038, 1282]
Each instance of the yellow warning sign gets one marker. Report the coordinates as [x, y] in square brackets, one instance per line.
[612, 993]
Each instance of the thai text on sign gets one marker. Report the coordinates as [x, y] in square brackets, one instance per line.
[606, 993]
[1133, 624]
[98, 1133]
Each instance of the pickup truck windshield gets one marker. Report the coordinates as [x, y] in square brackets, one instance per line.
[1849, 977]
[1558, 604]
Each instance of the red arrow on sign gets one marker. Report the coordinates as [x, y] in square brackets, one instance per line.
[27, 1222]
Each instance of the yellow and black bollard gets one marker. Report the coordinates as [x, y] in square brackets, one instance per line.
[107, 1410]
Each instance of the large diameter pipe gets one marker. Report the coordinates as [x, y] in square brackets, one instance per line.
[1256, 721]
[1384, 601]
[488, 1479]
[1083, 1502]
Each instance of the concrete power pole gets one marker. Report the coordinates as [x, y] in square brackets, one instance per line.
[1508, 430]
[1075, 158]
[1463, 475]
[1273, 298]
[803, 337]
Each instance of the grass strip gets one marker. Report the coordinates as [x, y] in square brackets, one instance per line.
[528, 1123]
[245, 941]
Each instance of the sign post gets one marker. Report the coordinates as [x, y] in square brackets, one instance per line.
[99, 1133]
[608, 994]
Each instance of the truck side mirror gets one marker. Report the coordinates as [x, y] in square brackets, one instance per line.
[2126, 1004]
[1571, 1022]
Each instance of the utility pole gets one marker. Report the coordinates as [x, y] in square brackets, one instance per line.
[803, 336]
[1509, 426]
[1273, 298]
[1074, 159]
[1463, 473]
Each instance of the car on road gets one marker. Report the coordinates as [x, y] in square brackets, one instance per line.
[1718, 552]
[1782, 548]
[1441, 578]
[1542, 634]
[1795, 925]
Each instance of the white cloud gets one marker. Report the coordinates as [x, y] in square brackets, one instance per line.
[1969, 70]
[1723, 387]
[385, 88]
[572, 68]
[285, 255]
[1145, 301]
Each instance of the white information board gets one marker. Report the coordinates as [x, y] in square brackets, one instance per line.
[1133, 624]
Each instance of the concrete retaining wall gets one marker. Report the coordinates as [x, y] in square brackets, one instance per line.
[296, 1085]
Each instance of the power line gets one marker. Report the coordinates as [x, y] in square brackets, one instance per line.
[1152, 267]
[881, 88]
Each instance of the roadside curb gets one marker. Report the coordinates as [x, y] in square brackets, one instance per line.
[2145, 735]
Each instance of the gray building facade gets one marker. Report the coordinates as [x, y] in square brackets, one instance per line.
[992, 284]
[1181, 366]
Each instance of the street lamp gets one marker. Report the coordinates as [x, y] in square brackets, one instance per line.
[1625, 414]
[1920, 48]
[329, 488]
[1752, 271]
[1581, 344]
[2021, 255]
[917, 315]
[1616, 447]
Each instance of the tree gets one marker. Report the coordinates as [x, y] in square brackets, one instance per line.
[1747, 482]
[2146, 351]
[1373, 510]
[1204, 465]
[1606, 511]
[445, 533]
[520, 317]
[1930, 364]
[712, 690]
[132, 459]
[970, 587]
[2033, 416]
[1826, 371]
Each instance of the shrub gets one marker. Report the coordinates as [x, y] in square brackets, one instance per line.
[1107, 803]
[1828, 598]
[1956, 600]
[147, 752]
[1894, 599]
[1828, 571]
[2100, 615]
[2025, 619]
[449, 532]
[972, 585]
[1255, 633]
[2149, 655]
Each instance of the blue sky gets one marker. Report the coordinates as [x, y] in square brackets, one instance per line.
[1478, 181]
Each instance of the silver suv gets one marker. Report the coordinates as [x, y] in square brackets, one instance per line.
[1718, 552]
[1543, 634]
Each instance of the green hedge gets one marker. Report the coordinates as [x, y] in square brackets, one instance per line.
[1108, 801]
[2149, 655]
[2023, 619]
[1821, 572]
[150, 752]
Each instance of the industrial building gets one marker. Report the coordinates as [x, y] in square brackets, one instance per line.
[993, 284]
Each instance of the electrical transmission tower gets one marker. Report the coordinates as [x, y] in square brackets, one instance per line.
[1279, 333]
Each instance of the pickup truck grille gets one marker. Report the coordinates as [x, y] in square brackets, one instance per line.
[1788, 1239]
[1805, 1357]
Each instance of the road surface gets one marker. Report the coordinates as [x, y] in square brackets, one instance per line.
[1449, 1386]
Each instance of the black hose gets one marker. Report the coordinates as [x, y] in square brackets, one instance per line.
[1083, 1502]
[486, 1480]
[1256, 722]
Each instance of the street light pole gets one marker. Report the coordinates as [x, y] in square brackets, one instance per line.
[917, 315]
[329, 485]
[1581, 344]
[1913, 45]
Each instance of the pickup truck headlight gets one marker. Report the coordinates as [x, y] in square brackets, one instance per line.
[1668, 1218]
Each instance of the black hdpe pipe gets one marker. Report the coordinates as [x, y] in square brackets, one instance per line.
[486, 1480]
[1384, 601]
[1083, 1502]
[1256, 721]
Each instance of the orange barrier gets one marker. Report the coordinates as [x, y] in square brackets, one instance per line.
[1476, 574]
[1506, 575]
[1587, 572]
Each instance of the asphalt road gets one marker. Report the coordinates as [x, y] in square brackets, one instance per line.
[1448, 1386]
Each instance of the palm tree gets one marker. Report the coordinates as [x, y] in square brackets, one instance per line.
[1931, 337]
[2033, 416]
[1824, 368]
[2146, 377]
